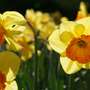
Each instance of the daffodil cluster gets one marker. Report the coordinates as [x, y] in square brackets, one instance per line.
[15, 36]
[42, 22]
[15, 33]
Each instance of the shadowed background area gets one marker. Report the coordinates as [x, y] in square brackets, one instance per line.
[66, 7]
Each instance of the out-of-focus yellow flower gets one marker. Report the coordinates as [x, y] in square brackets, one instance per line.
[27, 49]
[82, 11]
[9, 66]
[72, 42]
[64, 19]
[42, 22]
[12, 24]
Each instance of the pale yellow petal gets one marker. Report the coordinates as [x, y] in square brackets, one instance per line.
[83, 8]
[55, 43]
[26, 55]
[86, 66]
[9, 63]
[12, 19]
[10, 76]
[11, 86]
[12, 45]
[14, 23]
[86, 23]
[69, 66]
[68, 26]
[59, 40]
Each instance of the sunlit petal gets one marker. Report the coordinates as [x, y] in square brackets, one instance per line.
[55, 43]
[86, 23]
[86, 66]
[11, 86]
[70, 66]
[12, 18]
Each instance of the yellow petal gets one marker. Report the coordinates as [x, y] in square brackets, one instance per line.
[12, 17]
[68, 26]
[10, 76]
[83, 11]
[26, 55]
[70, 66]
[86, 66]
[86, 23]
[79, 29]
[66, 37]
[55, 43]
[9, 63]
[11, 86]
[12, 45]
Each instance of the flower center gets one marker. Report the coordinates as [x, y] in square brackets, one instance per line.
[2, 81]
[81, 43]
[2, 32]
[79, 49]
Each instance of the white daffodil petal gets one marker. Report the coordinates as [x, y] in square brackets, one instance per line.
[11, 86]
[69, 66]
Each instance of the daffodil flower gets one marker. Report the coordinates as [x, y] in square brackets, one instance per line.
[9, 66]
[82, 11]
[42, 22]
[12, 24]
[27, 48]
[72, 42]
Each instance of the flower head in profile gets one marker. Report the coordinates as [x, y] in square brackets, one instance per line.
[9, 66]
[72, 42]
[12, 24]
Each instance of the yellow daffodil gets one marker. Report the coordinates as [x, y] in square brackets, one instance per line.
[42, 22]
[72, 42]
[27, 49]
[9, 66]
[82, 11]
[12, 24]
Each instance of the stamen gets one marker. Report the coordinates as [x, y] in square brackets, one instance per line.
[81, 43]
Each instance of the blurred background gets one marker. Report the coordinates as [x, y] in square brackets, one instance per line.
[66, 7]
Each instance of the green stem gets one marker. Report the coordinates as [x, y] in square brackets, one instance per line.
[36, 64]
[69, 82]
[83, 81]
[36, 57]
